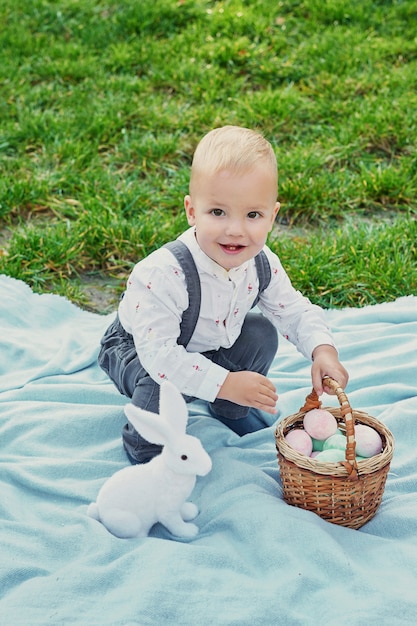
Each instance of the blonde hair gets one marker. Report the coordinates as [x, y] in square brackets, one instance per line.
[232, 148]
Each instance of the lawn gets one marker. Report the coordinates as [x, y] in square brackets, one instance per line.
[103, 102]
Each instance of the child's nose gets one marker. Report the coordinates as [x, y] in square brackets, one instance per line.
[234, 228]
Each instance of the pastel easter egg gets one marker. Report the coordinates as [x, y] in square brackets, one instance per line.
[335, 442]
[317, 444]
[368, 441]
[314, 454]
[300, 441]
[320, 424]
[331, 456]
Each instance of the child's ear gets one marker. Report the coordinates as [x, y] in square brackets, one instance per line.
[275, 213]
[277, 208]
[189, 210]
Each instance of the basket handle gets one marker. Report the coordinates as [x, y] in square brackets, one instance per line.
[313, 402]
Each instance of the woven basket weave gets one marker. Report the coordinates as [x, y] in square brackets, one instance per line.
[347, 493]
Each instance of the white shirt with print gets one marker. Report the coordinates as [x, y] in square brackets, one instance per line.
[156, 296]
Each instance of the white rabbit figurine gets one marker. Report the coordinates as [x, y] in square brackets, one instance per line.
[135, 498]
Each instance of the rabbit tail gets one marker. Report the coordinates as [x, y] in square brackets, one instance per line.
[92, 511]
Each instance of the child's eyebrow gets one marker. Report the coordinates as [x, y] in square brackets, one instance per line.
[215, 202]
[256, 208]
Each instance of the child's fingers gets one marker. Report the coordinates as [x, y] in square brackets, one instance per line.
[268, 398]
[317, 382]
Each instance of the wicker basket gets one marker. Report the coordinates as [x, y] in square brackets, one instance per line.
[347, 493]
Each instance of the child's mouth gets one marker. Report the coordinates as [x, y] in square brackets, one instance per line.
[231, 248]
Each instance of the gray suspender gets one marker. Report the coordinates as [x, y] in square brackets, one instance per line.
[190, 315]
[264, 274]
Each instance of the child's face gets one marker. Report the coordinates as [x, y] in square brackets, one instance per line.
[233, 214]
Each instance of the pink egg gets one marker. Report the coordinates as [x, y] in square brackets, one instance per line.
[320, 424]
[368, 441]
[300, 441]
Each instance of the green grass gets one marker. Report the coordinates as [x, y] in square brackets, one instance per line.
[360, 263]
[103, 103]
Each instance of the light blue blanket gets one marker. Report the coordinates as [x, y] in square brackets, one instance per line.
[256, 560]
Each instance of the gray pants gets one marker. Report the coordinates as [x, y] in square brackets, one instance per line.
[254, 350]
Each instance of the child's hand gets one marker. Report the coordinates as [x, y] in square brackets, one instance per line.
[249, 389]
[326, 363]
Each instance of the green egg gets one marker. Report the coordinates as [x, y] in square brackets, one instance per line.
[331, 456]
[317, 445]
[335, 442]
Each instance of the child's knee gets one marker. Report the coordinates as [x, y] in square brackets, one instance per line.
[146, 394]
[262, 332]
[268, 330]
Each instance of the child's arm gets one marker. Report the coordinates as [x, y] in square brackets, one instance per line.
[249, 389]
[326, 363]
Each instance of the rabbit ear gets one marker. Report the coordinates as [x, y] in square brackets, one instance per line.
[149, 425]
[165, 427]
[172, 407]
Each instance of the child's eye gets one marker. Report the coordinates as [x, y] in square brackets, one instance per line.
[217, 212]
[254, 214]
